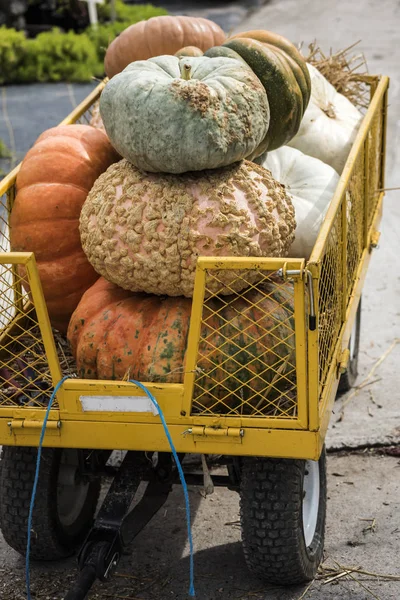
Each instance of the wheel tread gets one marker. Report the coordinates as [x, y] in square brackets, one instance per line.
[17, 471]
[271, 511]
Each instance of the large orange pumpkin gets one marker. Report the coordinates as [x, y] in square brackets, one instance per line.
[52, 184]
[246, 352]
[114, 332]
[158, 36]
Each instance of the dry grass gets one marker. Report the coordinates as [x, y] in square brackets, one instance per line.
[344, 70]
[339, 573]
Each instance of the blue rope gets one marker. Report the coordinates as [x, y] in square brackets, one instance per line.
[36, 479]
[35, 483]
[181, 476]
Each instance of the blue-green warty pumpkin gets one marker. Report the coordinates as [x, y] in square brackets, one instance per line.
[173, 115]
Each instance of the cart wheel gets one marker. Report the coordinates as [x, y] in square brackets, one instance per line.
[348, 378]
[64, 504]
[282, 513]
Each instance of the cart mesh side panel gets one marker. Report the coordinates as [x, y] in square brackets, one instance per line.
[246, 355]
[348, 240]
[24, 371]
[91, 116]
[374, 163]
[330, 296]
[355, 216]
[7, 306]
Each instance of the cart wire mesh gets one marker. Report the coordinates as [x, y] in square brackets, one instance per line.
[246, 363]
[347, 240]
[24, 371]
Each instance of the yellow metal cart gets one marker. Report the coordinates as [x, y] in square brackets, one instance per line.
[268, 422]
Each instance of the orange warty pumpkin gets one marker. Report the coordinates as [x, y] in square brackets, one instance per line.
[245, 356]
[114, 332]
[158, 36]
[52, 184]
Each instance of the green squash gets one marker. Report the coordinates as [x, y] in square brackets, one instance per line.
[283, 72]
[278, 42]
[173, 115]
[223, 51]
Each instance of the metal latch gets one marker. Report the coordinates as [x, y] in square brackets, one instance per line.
[31, 426]
[219, 434]
[344, 361]
[375, 235]
[286, 273]
[290, 273]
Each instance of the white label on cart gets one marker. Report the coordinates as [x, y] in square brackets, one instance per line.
[117, 404]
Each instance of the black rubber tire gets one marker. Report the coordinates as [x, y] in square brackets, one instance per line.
[50, 539]
[348, 379]
[271, 504]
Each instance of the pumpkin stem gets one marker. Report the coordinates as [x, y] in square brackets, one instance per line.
[186, 71]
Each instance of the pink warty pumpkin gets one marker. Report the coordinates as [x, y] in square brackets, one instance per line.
[144, 231]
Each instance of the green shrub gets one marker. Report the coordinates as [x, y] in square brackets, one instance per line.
[128, 13]
[5, 152]
[13, 50]
[57, 56]
[51, 56]
[64, 57]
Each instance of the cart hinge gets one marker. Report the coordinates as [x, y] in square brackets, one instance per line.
[375, 235]
[344, 361]
[30, 426]
[218, 434]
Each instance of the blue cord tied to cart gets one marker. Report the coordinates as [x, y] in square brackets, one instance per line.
[181, 477]
[178, 465]
[34, 488]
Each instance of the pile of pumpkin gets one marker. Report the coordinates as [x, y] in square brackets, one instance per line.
[166, 173]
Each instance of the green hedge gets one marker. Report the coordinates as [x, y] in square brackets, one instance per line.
[58, 56]
[13, 51]
[51, 56]
[5, 152]
[126, 12]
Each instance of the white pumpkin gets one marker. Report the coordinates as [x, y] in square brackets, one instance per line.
[329, 125]
[311, 184]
